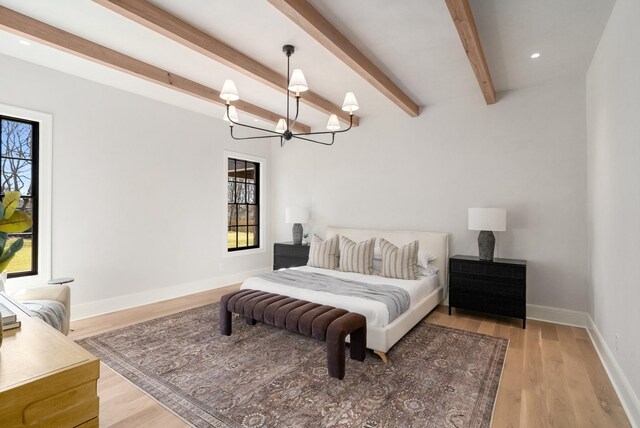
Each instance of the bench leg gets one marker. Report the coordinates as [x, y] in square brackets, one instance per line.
[335, 353]
[358, 345]
[225, 320]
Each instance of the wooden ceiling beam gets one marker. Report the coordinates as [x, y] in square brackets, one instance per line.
[318, 27]
[46, 34]
[462, 15]
[170, 26]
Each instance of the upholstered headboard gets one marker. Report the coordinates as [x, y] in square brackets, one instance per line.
[434, 243]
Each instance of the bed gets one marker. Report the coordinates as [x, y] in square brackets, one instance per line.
[425, 293]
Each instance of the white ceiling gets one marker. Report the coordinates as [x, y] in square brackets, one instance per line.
[414, 41]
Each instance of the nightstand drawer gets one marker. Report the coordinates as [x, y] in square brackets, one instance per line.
[281, 262]
[467, 284]
[291, 250]
[493, 270]
[493, 304]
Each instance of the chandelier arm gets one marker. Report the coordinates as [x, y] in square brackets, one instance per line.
[251, 127]
[253, 138]
[316, 141]
[295, 119]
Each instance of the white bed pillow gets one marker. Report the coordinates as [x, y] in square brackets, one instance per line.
[401, 263]
[357, 257]
[323, 254]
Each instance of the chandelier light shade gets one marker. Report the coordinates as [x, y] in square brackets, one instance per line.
[350, 103]
[298, 83]
[229, 91]
[281, 126]
[334, 123]
[283, 130]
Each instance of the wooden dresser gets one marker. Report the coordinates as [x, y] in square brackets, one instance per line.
[46, 379]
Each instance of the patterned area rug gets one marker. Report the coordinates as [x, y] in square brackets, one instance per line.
[261, 376]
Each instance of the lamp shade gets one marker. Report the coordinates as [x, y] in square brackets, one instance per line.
[298, 83]
[229, 91]
[493, 219]
[281, 126]
[233, 114]
[333, 124]
[296, 215]
[350, 103]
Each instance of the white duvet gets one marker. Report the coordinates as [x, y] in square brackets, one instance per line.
[376, 312]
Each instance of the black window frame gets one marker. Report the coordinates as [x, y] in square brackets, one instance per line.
[235, 204]
[35, 192]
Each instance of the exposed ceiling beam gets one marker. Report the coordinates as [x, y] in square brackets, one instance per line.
[40, 32]
[462, 15]
[160, 21]
[311, 21]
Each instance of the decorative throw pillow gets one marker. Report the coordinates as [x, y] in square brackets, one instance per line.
[401, 262]
[323, 254]
[357, 257]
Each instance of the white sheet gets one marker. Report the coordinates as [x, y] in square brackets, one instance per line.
[376, 313]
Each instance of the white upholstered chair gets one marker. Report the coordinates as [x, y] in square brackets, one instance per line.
[36, 298]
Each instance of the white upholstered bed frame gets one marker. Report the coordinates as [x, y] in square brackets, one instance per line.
[381, 339]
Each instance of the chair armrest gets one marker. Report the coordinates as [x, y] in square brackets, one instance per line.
[58, 293]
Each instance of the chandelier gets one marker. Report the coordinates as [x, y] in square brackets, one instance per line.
[283, 130]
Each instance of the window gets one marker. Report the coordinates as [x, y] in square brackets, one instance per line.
[19, 147]
[243, 204]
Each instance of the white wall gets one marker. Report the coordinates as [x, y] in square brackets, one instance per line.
[138, 191]
[526, 153]
[613, 132]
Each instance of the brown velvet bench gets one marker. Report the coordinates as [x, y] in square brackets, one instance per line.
[321, 322]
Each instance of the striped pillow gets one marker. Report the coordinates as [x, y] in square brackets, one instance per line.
[401, 263]
[323, 254]
[357, 257]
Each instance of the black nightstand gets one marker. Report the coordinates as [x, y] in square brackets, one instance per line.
[285, 255]
[497, 287]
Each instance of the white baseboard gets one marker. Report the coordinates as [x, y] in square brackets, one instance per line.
[621, 384]
[99, 307]
[557, 315]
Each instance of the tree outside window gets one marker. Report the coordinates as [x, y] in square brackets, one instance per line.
[19, 172]
[243, 208]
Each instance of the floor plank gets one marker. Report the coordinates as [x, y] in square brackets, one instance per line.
[552, 375]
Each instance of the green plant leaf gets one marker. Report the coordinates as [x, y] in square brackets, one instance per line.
[20, 221]
[5, 263]
[12, 250]
[3, 241]
[10, 203]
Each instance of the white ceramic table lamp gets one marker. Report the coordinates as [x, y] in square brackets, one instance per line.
[487, 221]
[297, 216]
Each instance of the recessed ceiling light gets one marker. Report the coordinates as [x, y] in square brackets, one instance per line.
[535, 55]
[24, 42]
[256, 120]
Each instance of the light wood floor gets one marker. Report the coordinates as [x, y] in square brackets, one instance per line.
[552, 375]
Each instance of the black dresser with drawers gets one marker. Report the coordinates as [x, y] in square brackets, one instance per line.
[286, 254]
[498, 287]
